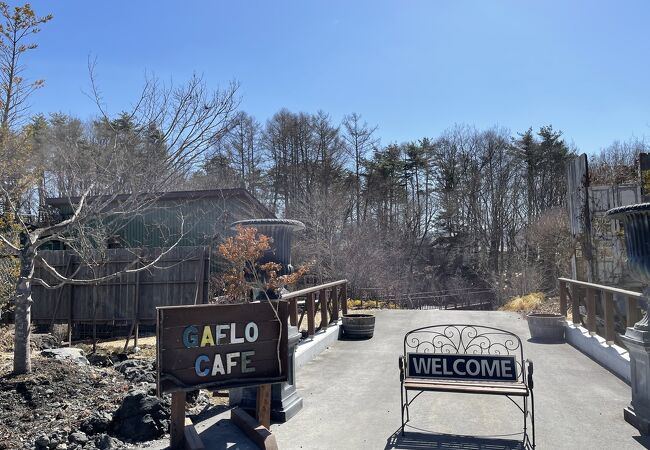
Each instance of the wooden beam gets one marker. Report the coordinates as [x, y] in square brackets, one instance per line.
[610, 331]
[311, 311]
[293, 312]
[591, 311]
[563, 302]
[322, 298]
[633, 313]
[263, 406]
[335, 303]
[344, 298]
[192, 438]
[575, 303]
[177, 421]
[259, 434]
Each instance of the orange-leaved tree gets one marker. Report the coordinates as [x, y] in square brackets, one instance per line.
[243, 251]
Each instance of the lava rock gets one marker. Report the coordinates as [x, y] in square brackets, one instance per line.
[75, 355]
[42, 441]
[78, 437]
[100, 360]
[99, 422]
[137, 370]
[106, 442]
[141, 417]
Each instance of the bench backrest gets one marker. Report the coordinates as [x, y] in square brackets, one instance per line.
[468, 352]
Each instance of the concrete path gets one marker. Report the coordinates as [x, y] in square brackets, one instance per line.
[351, 397]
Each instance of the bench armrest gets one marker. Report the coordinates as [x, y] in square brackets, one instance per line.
[401, 368]
[529, 374]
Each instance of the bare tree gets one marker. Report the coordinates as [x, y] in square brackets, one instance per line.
[178, 124]
[359, 139]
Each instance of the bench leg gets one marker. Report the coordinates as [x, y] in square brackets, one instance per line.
[401, 406]
[525, 414]
[532, 415]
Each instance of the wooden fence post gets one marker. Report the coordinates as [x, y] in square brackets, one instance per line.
[633, 313]
[610, 332]
[311, 311]
[293, 312]
[575, 303]
[563, 305]
[177, 420]
[344, 298]
[335, 303]
[591, 311]
[324, 321]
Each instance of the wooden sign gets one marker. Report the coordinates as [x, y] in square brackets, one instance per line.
[462, 366]
[221, 346]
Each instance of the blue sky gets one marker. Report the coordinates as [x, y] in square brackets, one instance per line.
[414, 68]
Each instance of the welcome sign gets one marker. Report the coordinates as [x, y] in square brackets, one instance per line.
[221, 346]
[462, 366]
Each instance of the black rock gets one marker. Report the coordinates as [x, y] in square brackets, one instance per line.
[106, 442]
[100, 360]
[99, 422]
[42, 441]
[137, 370]
[140, 417]
[78, 437]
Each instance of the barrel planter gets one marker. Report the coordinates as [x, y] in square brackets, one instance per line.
[546, 327]
[358, 326]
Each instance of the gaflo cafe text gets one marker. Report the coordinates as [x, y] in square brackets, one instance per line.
[215, 339]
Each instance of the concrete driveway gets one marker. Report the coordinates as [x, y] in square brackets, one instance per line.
[351, 397]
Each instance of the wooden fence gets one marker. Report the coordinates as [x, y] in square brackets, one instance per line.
[181, 278]
[601, 315]
[326, 300]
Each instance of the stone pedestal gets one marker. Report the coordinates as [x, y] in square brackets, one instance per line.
[285, 401]
[638, 412]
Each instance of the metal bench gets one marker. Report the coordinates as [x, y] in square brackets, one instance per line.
[469, 359]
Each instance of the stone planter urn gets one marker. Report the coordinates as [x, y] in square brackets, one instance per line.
[358, 326]
[636, 223]
[546, 327]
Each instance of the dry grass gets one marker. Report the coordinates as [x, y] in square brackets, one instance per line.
[528, 302]
[370, 304]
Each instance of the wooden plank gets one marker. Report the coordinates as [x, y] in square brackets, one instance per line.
[303, 292]
[575, 303]
[633, 313]
[591, 310]
[177, 420]
[192, 438]
[468, 389]
[563, 302]
[601, 287]
[322, 299]
[311, 311]
[263, 405]
[610, 331]
[258, 433]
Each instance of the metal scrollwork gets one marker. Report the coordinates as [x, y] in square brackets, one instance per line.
[464, 339]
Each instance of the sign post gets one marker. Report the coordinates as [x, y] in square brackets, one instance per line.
[219, 347]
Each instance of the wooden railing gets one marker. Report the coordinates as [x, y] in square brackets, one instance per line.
[596, 297]
[326, 300]
[447, 299]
